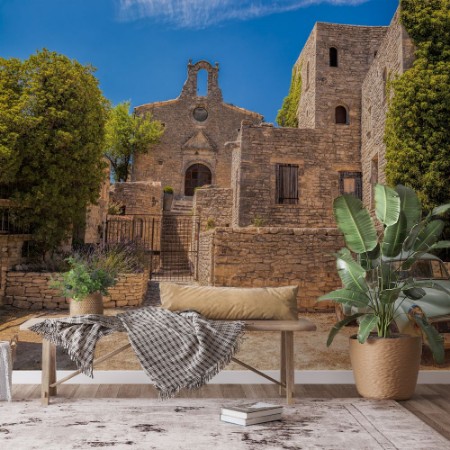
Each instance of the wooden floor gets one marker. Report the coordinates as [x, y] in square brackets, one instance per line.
[431, 403]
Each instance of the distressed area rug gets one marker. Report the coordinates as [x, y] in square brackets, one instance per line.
[194, 424]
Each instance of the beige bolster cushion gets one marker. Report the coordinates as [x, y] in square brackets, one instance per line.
[229, 303]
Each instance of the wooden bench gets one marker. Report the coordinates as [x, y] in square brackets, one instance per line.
[287, 369]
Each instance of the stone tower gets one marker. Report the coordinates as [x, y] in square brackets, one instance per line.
[333, 65]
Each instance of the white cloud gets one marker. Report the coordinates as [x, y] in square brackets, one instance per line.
[204, 13]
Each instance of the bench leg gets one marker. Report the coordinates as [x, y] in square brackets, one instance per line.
[287, 338]
[48, 371]
[282, 390]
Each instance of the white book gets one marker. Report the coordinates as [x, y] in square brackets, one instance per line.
[250, 410]
[251, 421]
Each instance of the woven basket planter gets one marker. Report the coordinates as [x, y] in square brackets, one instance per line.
[92, 304]
[386, 368]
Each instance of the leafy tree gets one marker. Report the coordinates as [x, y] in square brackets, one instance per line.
[52, 116]
[128, 135]
[287, 115]
[416, 135]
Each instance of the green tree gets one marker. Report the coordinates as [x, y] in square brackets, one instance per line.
[128, 135]
[287, 115]
[52, 116]
[417, 123]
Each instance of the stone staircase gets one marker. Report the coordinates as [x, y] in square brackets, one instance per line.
[182, 206]
[176, 235]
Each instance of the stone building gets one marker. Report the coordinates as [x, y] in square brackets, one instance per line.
[285, 179]
[193, 150]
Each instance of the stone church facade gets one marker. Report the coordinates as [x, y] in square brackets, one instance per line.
[194, 148]
[266, 205]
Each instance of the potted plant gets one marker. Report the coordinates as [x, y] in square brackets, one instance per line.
[385, 363]
[85, 284]
[168, 198]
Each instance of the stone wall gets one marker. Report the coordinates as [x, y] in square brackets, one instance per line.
[213, 207]
[32, 290]
[319, 155]
[96, 214]
[143, 197]
[306, 63]
[188, 140]
[252, 257]
[10, 255]
[394, 56]
[205, 258]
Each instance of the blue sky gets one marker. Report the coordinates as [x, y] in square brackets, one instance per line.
[141, 47]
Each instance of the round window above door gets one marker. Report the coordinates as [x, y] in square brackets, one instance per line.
[196, 176]
[200, 114]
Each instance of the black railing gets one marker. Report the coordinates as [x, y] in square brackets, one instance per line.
[169, 242]
[11, 221]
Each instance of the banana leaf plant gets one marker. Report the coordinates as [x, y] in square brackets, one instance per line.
[372, 285]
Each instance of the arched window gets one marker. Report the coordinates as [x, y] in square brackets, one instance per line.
[341, 115]
[202, 83]
[197, 175]
[333, 57]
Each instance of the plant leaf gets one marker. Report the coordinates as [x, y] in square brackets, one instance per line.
[429, 236]
[439, 210]
[388, 275]
[439, 245]
[387, 204]
[414, 293]
[347, 296]
[367, 324]
[430, 284]
[410, 205]
[388, 296]
[370, 260]
[353, 276]
[394, 236]
[337, 327]
[410, 240]
[355, 223]
[434, 340]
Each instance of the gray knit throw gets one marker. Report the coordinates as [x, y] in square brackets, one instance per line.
[176, 350]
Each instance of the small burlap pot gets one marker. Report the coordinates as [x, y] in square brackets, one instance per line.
[92, 304]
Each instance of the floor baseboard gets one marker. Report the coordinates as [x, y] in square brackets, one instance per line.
[224, 377]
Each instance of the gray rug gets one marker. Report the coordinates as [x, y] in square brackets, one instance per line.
[193, 424]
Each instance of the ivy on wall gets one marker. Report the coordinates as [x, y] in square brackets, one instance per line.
[417, 124]
[287, 115]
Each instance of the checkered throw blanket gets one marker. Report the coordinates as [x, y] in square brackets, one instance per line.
[176, 350]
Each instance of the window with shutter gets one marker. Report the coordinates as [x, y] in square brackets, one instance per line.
[287, 184]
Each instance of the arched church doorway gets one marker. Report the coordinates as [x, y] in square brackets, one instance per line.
[196, 175]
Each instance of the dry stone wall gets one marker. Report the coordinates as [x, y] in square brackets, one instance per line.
[213, 207]
[143, 197]
[254, 257]
[10, 256]
[32, 290]
[205, 258]
[394, 56]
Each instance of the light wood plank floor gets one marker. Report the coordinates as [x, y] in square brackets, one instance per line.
[431, 403]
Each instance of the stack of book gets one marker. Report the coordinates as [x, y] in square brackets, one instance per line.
[251, 413]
